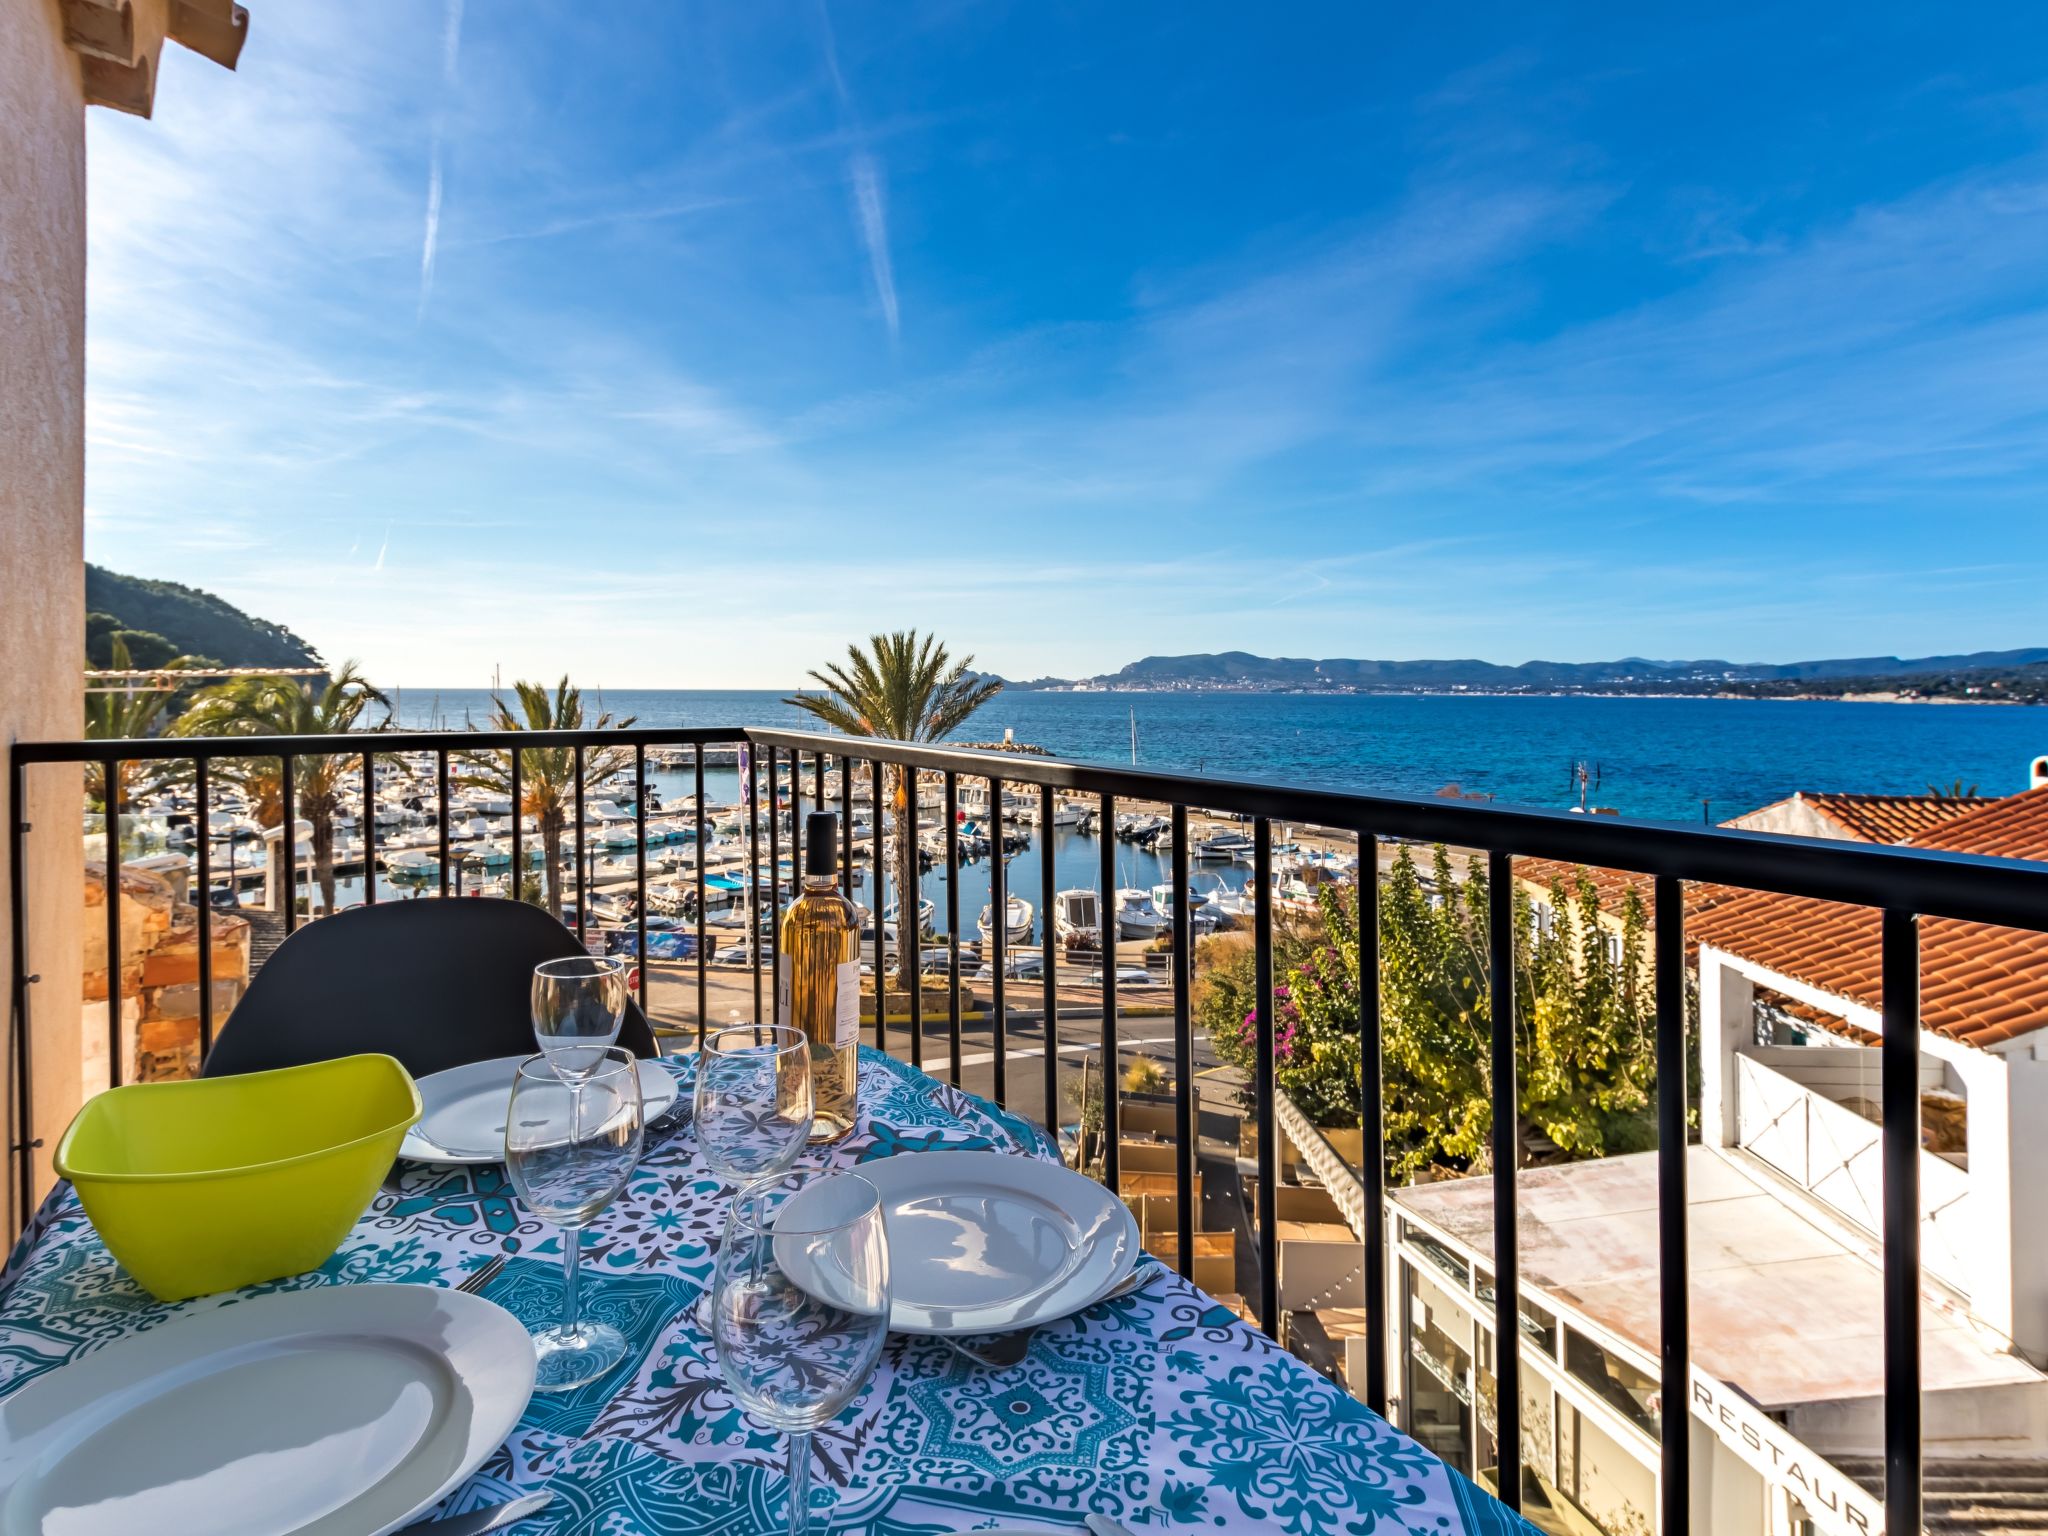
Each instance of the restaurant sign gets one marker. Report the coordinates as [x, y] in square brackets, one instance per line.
[1835, 1503]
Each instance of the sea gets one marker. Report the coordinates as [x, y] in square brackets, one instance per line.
[1667, 758]
[1681, 759]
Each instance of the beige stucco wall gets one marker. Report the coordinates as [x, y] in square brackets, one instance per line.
[42, 522]
[1793, 818]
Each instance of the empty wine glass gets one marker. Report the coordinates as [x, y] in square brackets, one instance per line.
[800, 1306]
[577, 1005]
[570, 1146]
[754, 1103]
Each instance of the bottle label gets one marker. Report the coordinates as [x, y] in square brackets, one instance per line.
[845, 1002]
[846, 1018]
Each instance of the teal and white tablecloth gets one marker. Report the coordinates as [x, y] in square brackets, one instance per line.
[1160, 1408]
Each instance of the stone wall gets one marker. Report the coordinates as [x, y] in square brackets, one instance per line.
[42, 528]
[159, 987]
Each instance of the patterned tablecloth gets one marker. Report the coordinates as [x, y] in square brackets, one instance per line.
[1160, 1408]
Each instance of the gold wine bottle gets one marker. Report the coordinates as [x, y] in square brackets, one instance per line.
[817, 979]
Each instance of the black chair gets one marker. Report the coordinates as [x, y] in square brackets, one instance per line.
[436, 983]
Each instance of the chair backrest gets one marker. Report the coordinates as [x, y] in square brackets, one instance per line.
[436, 983]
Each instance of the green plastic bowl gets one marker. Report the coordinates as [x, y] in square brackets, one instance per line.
[221, 1182]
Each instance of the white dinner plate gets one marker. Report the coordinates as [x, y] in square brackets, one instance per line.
[337, 1411]
[982, 1242]
[462, 1110]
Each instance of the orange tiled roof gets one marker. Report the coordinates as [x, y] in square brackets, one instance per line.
[1612, 885]
[1891, 818]
[1978, 983]
[2015, 827]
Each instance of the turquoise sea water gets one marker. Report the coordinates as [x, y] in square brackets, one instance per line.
[1656, 757]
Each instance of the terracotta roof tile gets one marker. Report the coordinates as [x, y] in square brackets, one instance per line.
[1891, 818]
[2015, 827]
[1978, 984]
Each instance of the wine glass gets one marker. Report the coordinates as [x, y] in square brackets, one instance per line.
[570, 1146]
[800, 1306]
[577, 1005]
[753, 1104]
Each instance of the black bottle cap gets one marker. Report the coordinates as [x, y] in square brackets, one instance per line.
[821, 843]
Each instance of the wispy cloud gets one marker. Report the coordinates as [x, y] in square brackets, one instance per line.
[383, 549]
[864, 178]
[451, 52]
[874, 234]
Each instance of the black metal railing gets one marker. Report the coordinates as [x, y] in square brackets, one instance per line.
[1904, 884]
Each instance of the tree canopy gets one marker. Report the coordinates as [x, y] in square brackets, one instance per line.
[1584, 1018]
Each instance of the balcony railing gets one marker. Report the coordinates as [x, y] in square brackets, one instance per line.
[1905, 884]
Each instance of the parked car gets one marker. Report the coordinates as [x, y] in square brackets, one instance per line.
[1126, 976]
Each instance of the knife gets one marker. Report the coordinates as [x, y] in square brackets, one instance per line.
[477, 1521]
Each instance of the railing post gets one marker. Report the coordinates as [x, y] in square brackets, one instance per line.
[909, 915]
[204, 905]
[774, 882]
[288, 839]
[1268, 1215]
[953, 923]
[846, 827]
[1048, 956]
[1507, 1142]
[703, 853]
[517, 760]
[640, 868]
[20, 981]
[1673, 1274]
[112, 770]
[441, 796]
[582, 863]
[750, 791]
[1186, 1124]
[1372, 1161]
[999, 939]
[1105, 913]
[1899, 1054]
[881, 893]
[369, 825]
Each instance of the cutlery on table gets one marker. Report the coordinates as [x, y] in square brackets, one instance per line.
[1006, 1349]
[477, 1521]
[1102, 1525]
[475, 1284]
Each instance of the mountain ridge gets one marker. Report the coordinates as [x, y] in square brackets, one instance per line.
[1244, 671]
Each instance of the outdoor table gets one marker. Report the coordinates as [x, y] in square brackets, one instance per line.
[1160, 1408]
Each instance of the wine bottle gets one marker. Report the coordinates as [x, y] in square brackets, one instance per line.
[817, 980]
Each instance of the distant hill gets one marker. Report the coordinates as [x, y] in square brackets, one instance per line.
[1242, 670]
[189, 621]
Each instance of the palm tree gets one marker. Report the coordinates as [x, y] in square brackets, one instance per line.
[904, 687]
[287, 706]
[127, 714]
[547, 775]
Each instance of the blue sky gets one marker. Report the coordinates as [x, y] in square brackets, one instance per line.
[677, 344]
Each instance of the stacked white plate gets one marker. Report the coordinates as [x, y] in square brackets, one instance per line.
[337, 1411]
[984, 1242]
[462, 1110]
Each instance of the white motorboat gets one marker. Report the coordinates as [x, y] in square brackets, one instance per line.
[1137, 918]
[927, 915]
[1077, 920]
[412, 861]
[1220, 846]
[1202, 914]
[1065, 813]
[1016, 925]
